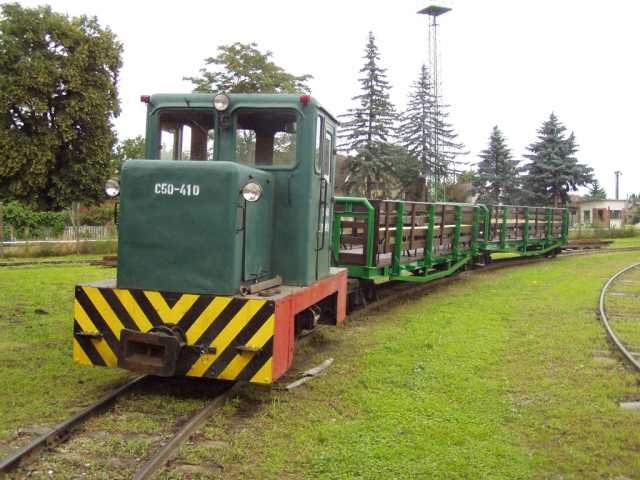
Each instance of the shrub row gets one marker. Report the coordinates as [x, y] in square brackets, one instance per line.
[39, 224]
[595, 232]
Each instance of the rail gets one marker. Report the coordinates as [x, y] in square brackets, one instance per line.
[605, 319]
[157, 460]
[62, 430]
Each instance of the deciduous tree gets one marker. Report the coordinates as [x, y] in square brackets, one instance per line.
[58, 96]
[242, 68]
[127, 149]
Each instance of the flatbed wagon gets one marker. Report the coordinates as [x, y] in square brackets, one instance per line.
[382, 240]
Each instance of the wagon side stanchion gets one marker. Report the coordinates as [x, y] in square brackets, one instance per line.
[399, 234]
[525, 231]
[549, 237]
[503, 231]
[455, 250]
[429, 246]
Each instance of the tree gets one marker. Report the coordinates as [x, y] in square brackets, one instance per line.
[460, 188]
[596, 192]
[127, 149]
[407, 174]
[421, 121]
[367, 129]
[242, 68]
[58, 95]
[554, 170]
[497, 178]
[415, 131]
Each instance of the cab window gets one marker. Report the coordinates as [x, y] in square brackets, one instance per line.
[327, 154]
[186, 134]
[266, 137]
[319, 129]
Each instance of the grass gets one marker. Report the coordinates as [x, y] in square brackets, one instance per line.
[101, 247]
[626, 242]
[499, 375]
[502, 374]
[40, 382]
[622, 305]
[60, 258]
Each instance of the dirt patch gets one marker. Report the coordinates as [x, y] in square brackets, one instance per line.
[197, 470]
[603, 361]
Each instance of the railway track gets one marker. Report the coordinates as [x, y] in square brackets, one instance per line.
[19, 462]
[619, 309]
[111, 261]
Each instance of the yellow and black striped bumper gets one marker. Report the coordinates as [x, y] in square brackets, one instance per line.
[226, 338]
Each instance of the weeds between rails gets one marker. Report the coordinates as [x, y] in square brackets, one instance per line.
[215, 393]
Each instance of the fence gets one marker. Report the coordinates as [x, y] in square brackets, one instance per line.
[85, 232]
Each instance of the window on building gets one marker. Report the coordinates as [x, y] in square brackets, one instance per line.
[615, 214]
[586, 216]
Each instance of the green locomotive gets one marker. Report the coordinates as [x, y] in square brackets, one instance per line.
[224, 241]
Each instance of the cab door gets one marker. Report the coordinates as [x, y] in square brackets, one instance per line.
[325, 165]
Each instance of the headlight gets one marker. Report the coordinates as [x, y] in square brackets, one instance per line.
[252, 192]
[221, 102]
[112, 187]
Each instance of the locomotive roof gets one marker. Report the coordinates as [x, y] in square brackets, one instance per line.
[205, 100]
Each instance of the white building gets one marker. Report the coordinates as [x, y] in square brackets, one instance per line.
[599, 213]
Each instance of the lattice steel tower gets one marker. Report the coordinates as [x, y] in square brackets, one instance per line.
[434, 12]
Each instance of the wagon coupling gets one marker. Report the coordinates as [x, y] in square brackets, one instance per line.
[154, 352]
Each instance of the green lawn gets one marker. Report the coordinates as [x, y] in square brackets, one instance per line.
[40, 383]
[56, 258]
[626, 242]
[503, 374]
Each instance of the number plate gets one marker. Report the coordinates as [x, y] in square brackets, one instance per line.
[183, 189]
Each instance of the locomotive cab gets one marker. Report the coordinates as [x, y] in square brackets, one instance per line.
[223, 242]
[189, 218]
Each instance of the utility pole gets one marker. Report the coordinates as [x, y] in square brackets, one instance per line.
[434, 12]
[617, 173]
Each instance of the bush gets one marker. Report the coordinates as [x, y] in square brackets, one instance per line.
[596, 232]
[97, 215]
[21, 217]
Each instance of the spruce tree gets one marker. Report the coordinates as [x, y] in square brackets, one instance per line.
[554, 170]
[367, 129]
[415, 130]
[497, 178]
[596, 192]
[449, 148]
[419, 124]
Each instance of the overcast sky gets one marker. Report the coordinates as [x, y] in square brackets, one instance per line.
[505, 63]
